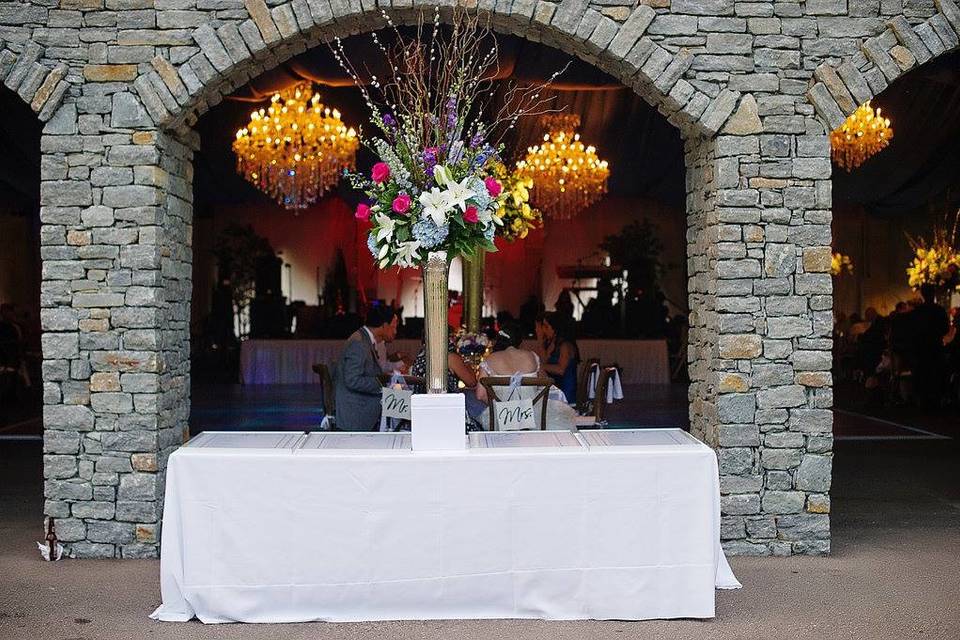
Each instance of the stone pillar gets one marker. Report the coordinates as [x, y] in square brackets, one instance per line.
[761, 324]
[115, 210]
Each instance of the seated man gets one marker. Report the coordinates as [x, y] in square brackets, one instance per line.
[358, 384]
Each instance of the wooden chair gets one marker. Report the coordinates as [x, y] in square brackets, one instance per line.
[326, 384]
[583, 383]
[489, 383]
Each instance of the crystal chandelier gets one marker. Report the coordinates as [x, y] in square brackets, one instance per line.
[296, 149]
[859, 137]
[567, 176]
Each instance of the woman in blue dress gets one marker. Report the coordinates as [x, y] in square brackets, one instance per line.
[559, 354]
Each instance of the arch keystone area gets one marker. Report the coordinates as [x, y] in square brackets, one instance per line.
[176, 95]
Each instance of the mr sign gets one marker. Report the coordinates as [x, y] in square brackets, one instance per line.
[395, 403]
[515, 415]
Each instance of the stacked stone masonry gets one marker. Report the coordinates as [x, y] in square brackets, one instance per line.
[754, 87]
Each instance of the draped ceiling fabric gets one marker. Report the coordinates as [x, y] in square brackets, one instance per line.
[921, 167]
[645, 151]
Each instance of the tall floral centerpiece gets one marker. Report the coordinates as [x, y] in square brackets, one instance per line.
[433, 195]
[936, 262]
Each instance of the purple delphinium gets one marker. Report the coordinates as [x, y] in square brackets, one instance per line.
[451, 113]
[476, 140]
[390, 121]
[430, 159]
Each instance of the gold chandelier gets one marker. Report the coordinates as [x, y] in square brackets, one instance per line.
[859, 137]
[567, 176]
[296, 149]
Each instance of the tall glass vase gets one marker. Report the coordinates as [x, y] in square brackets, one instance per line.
[473, 290]
[436, 304]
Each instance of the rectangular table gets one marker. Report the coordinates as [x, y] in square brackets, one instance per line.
[291, 361]
[293, 532]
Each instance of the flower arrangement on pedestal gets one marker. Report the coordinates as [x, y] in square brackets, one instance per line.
[518, 217]
[434, 194]
[840, 264]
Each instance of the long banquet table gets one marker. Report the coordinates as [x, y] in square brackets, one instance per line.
[291, 361]
[281, 527]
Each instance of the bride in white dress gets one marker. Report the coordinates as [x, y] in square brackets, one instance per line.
[508, 360]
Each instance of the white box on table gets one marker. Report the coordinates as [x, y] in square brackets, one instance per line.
[438, 422]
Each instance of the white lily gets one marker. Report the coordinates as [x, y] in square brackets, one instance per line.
[386, 226]
[435, 204]
[458, 193]
[407, 254]
[442, 175]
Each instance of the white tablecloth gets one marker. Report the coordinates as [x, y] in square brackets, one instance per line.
[291, 361]
[291, 535]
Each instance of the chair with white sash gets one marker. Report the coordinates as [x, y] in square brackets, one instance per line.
[608, 390]
[513, 387]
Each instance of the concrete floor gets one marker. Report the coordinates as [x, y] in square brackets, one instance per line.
[894, 573]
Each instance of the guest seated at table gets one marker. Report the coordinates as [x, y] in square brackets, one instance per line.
[457, 369]
[357, 377]
[558, 352]
[508, 359]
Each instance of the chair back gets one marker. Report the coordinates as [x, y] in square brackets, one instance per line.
[600, 397]
[583, 382]
[413, 382]
[326, 384]
[491, 383]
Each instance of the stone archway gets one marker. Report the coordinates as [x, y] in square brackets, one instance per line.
[897, 50]
[758, 253]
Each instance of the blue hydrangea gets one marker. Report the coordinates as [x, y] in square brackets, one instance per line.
[490, 231]
[372, 244]
[482, 198]
[428, 234]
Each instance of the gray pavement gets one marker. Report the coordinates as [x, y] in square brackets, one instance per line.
[894, 573]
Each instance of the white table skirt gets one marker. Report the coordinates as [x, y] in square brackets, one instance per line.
[294, 535]
[291, 361]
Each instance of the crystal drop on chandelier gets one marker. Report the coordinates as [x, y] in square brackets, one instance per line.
[567, 175]
[863, 134]
[296, 149]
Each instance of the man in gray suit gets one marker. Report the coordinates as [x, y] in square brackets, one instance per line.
[358, 384]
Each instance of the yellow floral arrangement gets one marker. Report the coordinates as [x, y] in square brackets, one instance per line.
[515, 210]
[938, 264]
[840, 264]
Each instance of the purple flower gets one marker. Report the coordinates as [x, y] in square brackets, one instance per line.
[429, 158]
[476, 140]
[451, 113]
[389, 120]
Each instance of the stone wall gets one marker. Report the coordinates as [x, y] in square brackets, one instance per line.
[753, 87]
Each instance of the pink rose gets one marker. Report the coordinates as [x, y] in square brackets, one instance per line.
[493, 187]
[363, 212]
[380, 172]
[470, 215]
[401, 204]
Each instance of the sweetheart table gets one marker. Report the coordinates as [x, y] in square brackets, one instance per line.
[281, 527]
